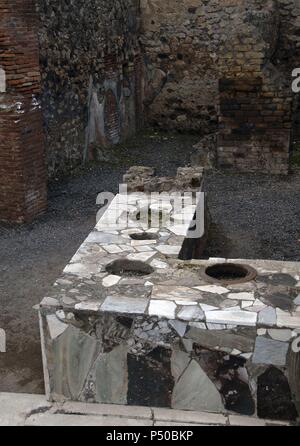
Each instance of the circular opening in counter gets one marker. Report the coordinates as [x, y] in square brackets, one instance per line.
[144, 236]
[231, 273]
[129, 268]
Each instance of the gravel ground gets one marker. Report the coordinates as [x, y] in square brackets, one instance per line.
[253, 216]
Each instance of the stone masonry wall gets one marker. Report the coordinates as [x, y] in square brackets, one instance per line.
[289, 50]
[88, 73]
[224, 65]
[22, 162]
[91, 77]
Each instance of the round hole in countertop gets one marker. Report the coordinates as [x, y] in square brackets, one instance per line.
[231, 273]
[144, 236]
[129, 268]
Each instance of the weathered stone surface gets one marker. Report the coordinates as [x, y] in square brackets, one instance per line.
[162, 308]
[229, 374]
[111, 376]
[150, 381]
[190, 313]
[274, 399]
[195, 391]
[196, 77]
[232, 317]
[224, 338]
[15, 408]
[280, 335]
[111, 280]
[241, 296]
[179, 363]
[279, 300]
[55, 326]
[279, 279]
[179, 327]
[175, 293]
[297, 300]
[105, 238]
[169, 250]
[214, 289]
[287, 320]
[268, 351]
[74, 353]
[267, 317]
[130, 305]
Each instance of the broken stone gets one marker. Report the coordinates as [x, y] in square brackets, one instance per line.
[279, 300]
[191, 313]
[278, 279]
[214, 289]
[274, 399]
[200, 325]
[297, 300]
[228, 303]
[175, 293]
[179, 327]
[241, 296]
[246, 304]
[205, 308]
[77, 353]
[110, 281]
[150, 380]
[179, 363]
[216, 326]
[49, 302]
[88, 306]
[162, 308]
[267, 317]
[288, 320]
[268, 351]
[232, 317]
[169, 249]
[55, 326]
[159, 264]
[130, 305]
[195, 391]
[280, 335]
[224, 339]
[141, 256]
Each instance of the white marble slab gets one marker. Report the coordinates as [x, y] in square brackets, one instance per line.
[162, 308]
[232, 317]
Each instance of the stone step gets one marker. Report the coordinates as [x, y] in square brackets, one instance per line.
[35, 410]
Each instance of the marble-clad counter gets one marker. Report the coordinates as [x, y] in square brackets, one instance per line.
[130, 323]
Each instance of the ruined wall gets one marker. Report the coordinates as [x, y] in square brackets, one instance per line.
[222, 65]
[91, 77]
[22, 162]
[289, 49]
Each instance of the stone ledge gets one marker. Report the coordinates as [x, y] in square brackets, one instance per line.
[34, 410]
[108, 410]
[177, 416]
[49, 419]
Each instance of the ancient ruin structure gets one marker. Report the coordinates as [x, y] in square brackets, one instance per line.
[83, 75]
[133, 321]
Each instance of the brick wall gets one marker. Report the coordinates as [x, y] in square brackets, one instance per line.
[22, 161]
[255, 127]
[97, 68]
[225, 66]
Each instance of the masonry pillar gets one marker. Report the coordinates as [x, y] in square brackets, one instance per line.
[23, 178]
